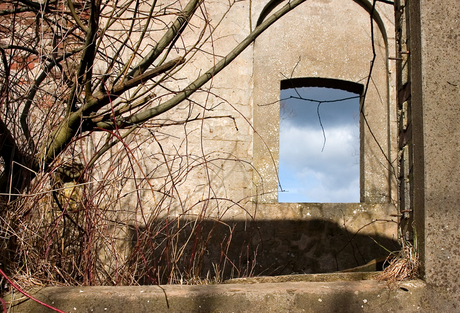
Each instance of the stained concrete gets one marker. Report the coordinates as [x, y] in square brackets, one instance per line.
[317, 40]
[355, 296]
[431, 85]
[434, 90]
[284, 239]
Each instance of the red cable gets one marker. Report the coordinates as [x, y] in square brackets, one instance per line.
[4, 305]
[25, 294]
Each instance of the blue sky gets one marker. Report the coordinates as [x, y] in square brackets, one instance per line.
[311, 169]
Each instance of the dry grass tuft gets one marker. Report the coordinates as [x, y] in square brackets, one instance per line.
[402, 265]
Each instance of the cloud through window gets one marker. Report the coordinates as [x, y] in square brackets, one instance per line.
[319, 145]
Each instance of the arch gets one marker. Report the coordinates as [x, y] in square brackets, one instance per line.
[366, 5]
[322, 82]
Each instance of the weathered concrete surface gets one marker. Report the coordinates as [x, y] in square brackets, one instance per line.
[433, 89]
[318, 40]
[358, 296]
[289, 238]
[292, 239]
[336, 277]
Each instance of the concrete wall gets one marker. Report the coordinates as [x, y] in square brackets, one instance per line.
[427, 58]
[428, 97]
[215, 167]
[234, 157]
[282, 239]
[329, 296]
[236, 152]
[430, 85]
[328, 39]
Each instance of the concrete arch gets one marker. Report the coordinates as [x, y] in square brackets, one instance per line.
[322, 82]
[366, 5]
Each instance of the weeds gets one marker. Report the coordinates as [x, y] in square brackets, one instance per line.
[401, 265]
[113, 226]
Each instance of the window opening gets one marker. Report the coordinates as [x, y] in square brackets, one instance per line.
[319, 145]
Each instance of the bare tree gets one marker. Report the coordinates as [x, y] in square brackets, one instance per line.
[79, 75]
[70, 69]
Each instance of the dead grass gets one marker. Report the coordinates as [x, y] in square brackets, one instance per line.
[117, 227]
[402, 265]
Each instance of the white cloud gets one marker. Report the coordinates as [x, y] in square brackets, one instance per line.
[313, 175]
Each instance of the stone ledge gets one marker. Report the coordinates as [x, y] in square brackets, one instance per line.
[326, 277]
[352, 296]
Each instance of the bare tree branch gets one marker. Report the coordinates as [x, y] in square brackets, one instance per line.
[75, 16]
[175, 30]
[203, 79]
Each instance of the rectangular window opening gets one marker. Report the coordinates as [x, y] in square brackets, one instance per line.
[319, 150]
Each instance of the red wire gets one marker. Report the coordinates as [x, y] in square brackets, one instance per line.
[25, 294]
[4, 305]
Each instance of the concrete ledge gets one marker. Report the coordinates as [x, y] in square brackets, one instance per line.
[352, 296]
[325, 277]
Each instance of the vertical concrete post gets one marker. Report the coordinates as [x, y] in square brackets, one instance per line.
[435, 97]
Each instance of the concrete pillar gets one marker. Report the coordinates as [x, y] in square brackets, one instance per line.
[435, 96]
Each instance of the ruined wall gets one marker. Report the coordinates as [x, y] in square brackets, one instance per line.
[221, 169]
[428, 57]
[238, 129]
[234, 158]
[329, 39]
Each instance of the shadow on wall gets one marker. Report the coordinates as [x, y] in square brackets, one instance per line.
[230, 249]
